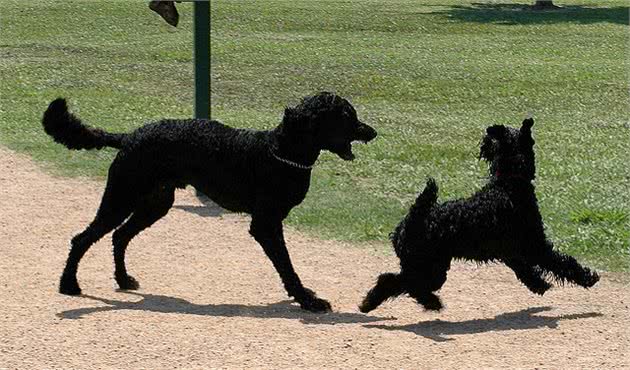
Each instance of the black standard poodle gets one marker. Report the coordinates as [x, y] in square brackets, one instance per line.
[501, 222]
[263, 173]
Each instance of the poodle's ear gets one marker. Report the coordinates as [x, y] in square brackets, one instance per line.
[496, 131]
[289, 112]
[290, 115]
[294, 122]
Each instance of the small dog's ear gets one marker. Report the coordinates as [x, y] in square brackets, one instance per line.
[496, 131]
[527, 124]
[526, 132]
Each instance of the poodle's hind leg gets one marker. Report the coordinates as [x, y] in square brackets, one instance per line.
[531, 276]
[150, 209]
[110, 214]
[387, 286]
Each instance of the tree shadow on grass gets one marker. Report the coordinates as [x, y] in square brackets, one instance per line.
[437, 330]
[164, 304]
[522, 14]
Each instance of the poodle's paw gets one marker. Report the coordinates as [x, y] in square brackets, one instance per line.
[316, 305]
[69, 285]
[128, 283]
[310, 302]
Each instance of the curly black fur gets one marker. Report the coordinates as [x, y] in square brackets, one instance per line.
[501, 222]
[263, 173]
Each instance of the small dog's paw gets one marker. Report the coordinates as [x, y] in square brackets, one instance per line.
[432, 303]
[128, 283]
[433, 307]
[69, 286]
[591, 280]
[540, 289]
[365, 307]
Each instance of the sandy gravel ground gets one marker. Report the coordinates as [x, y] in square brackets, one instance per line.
[210, 298]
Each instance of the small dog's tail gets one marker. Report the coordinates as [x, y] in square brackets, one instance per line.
[426, 199]
[414, 220]
[388, 285]
[67, 129]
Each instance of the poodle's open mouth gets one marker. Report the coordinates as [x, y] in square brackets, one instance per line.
[363, 134]
[346, 152]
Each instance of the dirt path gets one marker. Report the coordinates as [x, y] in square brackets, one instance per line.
[210, 298]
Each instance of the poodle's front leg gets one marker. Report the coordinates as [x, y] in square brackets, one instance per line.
[268, 233]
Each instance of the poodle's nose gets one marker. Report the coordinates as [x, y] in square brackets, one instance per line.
[365, 133]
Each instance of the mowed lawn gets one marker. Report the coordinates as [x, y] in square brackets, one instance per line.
[428, 75]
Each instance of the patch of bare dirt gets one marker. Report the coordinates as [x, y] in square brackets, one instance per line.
[210, 298]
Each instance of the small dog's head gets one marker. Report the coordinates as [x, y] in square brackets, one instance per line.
[329, 122]
[510, 151]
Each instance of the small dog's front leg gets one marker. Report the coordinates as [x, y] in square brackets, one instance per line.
[268, 233]
[565, 268]
[531, 276]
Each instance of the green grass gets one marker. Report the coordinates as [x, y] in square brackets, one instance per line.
[428, 75]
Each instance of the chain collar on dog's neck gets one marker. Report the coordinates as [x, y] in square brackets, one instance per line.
[291, 163]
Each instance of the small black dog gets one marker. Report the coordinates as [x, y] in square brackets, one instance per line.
[263, 173]
[501, 222]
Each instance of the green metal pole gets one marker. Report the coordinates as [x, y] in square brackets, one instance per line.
[202, 59]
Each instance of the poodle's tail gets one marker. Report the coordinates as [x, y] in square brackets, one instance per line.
[387, 286]
[67, 129]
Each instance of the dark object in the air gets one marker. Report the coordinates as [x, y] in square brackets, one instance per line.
[167, 10]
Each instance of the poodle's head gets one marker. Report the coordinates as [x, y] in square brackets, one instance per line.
[327, 122]
[510, 151]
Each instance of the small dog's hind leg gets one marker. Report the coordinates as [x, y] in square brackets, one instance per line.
[153, 207]
[429, 300]
[387, 286]
[421, 285]
[531, 276]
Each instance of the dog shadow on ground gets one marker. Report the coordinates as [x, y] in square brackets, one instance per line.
[164, 304]
[208, 210]
[526, 319]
